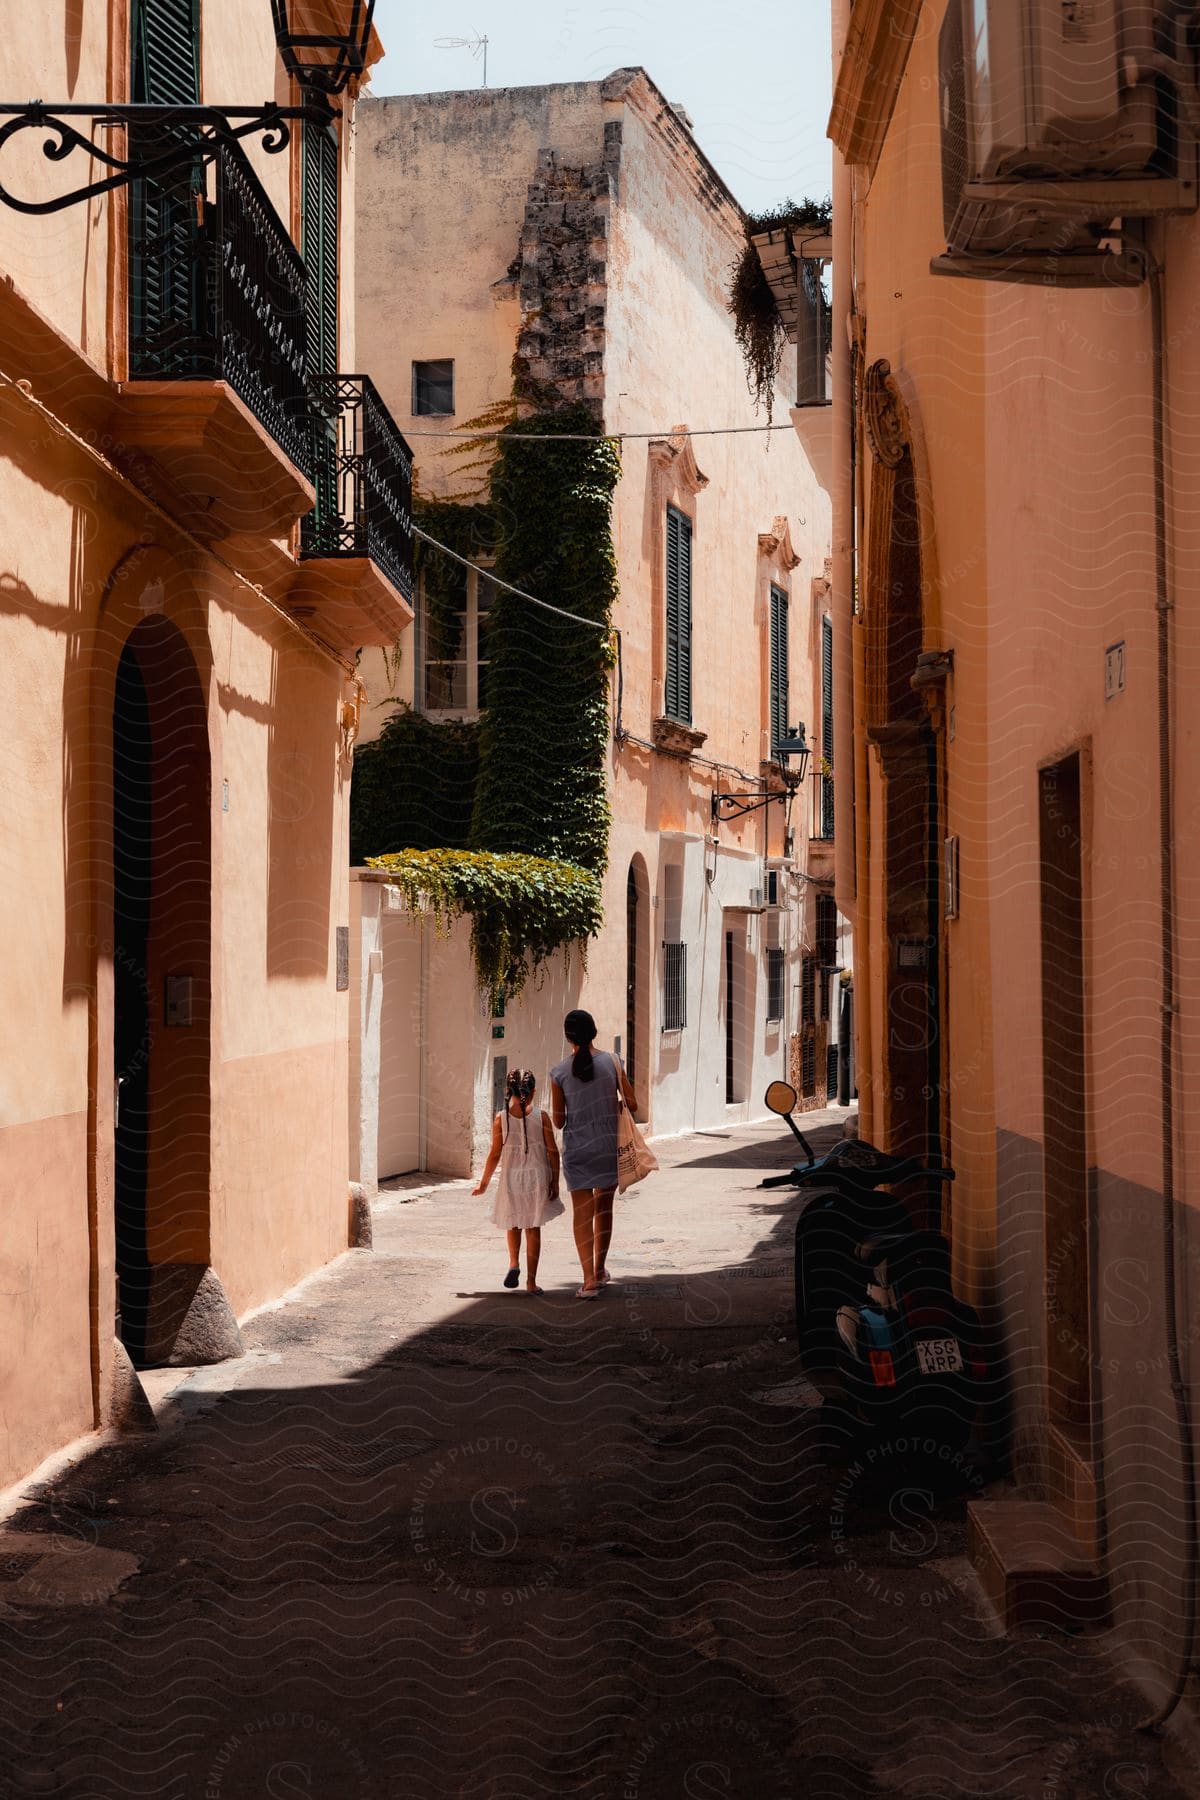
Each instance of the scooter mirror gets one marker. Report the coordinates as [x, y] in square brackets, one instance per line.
[781, 1098]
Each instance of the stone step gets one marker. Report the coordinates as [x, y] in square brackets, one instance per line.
[1033, 1567]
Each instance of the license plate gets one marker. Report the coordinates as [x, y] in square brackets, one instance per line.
[939, 1356]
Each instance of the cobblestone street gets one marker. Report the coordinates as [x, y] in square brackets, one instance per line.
[432, 1539]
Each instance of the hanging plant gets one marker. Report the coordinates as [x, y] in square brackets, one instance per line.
[523, 909]
[758, 327]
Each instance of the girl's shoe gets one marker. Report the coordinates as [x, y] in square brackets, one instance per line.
[512, 1279]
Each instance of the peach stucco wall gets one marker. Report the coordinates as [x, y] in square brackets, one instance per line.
[929, 330]
[83, 560]
[1032, 408]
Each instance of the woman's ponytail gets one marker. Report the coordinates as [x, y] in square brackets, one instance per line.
[579, 1028]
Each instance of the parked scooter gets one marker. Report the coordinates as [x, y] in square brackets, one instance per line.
[878, 1326]
[910, 1360]
[845, 1213]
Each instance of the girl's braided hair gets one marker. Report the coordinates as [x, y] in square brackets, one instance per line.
[520, 1086]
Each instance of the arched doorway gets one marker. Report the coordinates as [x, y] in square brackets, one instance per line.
[161, 935]
[637, 979]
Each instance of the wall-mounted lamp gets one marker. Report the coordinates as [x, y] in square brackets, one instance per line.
[794, 743]
[303, 51]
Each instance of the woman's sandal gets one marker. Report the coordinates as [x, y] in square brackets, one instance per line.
[582, 1293]
[533, 1290]
[604, 1278]
[513, 1278]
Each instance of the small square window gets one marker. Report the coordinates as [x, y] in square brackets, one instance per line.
[433, 388]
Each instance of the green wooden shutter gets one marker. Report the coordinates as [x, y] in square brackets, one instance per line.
[166, 266]
[678, 685]
[779, 668]
[826, 745]
[166, 52]
[319, 248]
[319, 245]
[827, 690]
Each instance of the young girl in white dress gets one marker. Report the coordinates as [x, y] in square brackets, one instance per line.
[524, 1145]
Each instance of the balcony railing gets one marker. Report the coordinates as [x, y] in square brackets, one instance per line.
[363, 473]
[217, 292]
[821, 825]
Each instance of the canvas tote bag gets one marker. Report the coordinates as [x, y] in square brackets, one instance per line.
[634, 1159]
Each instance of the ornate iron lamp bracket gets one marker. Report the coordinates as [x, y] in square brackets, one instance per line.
[197, 133]
[736, 806]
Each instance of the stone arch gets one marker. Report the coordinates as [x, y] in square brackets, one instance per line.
[152, 984]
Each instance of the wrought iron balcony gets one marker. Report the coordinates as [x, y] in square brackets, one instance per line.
[363, 472]
[217, 394]
[360, 529]
[217, 293]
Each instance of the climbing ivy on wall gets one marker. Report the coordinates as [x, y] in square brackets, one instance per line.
[543, 737]
[527, 784]
[414, 787]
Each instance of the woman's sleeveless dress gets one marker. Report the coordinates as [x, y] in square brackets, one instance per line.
[523, 1189]
[589, 1141]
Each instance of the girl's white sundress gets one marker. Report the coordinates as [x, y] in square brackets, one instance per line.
[523, 1188]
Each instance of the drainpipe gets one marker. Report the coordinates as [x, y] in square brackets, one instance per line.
[843, 515]
[1168, 931]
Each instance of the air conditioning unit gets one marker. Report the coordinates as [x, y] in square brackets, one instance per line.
[1054, 124]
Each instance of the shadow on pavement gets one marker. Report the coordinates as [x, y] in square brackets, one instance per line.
[531, 1548]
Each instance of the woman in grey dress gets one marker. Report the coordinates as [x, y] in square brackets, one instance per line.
[583, 1102]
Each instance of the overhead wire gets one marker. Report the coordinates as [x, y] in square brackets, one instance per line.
[592, 437]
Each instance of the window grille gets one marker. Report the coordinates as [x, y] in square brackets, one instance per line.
[674, 987]
[774, 984]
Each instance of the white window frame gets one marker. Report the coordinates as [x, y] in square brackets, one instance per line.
[468, 652]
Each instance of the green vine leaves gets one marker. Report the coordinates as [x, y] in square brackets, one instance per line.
[522, 908]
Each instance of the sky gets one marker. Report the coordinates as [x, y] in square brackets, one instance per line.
[755, 77]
